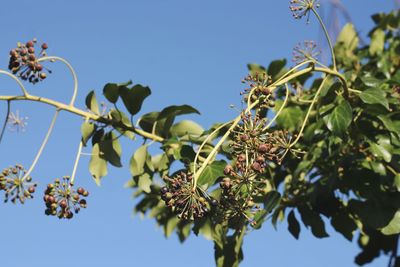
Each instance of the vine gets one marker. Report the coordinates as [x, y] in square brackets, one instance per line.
[287, 149]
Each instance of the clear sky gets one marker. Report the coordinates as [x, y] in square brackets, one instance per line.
[192, 52]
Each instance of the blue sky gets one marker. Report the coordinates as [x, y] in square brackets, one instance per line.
[192, 52]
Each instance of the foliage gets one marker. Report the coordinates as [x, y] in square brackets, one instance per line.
[314, 144]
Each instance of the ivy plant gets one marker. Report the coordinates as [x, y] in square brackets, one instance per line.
[313, 145]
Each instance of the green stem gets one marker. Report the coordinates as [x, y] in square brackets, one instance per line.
[280, 109]
[84, 114]
[78, 156]
[42, 146]
[308, 113]
[328, 38]
[3, 129]
[220, 142]
[204, 143]
[15, 78]
[292, 70]
[71, 69]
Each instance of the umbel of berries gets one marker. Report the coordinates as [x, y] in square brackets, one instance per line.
[24, 61]
[16, 186]
[62, 200]
[183, 198]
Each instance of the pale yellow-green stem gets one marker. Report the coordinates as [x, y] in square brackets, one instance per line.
[15, 78]
[78, 156]
[292, 70]
[46, 139]
[280, 109]
[308, 113]
[328, 38]
[3, 129]
[204, 143]
[71, 69]
[82, 113]
[220, 142]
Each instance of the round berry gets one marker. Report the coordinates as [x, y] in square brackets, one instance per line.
[63, 204]
[43, 75]
[31, 189]
[164, 190]
[80, 191]
[30, 44]
[214, 202]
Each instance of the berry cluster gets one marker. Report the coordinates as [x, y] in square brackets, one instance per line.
[305, 51]
[258, 88]
[246, 179]
[16, 185]
[239, 188]
[253, 145]
[24, 61]
[188, 202]
[61, 199]
[301, 8]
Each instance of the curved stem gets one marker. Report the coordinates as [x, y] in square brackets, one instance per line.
[25, 93]
[78, 156]
[292, 70]
[355, 91]
[328, 38]
[308, 113]
[75, 92]
[204, 143]
[42, 146]
[220, 142]
[3, 129]
[280, 109]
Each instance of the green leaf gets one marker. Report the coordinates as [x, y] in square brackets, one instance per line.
[111, 150]
[312, 219]
[91, 103]
[173, 111]
[87, 131]
[290, 118]
[276, 68]
[186, 127]
[371, 81]
[228, 249]
[293, 225]
[377, 44]
[340, 118]
[349, 37]
[344, 224]
[145, 182]
[256, 69]
[272, 199]
[111, 92]
[382, 148]
[375, 96]
[393, 228]
[133, 97]
[119, 116]
[389, 124]
[259, 218]
[372, 214]
[147, 121]
[160, 163]
[212, 172]
[97, 165]
[397, 182]
[170, 226]
[138, 160]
